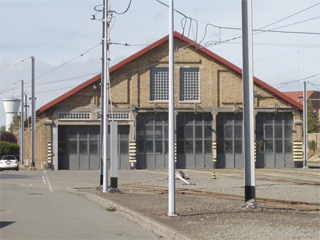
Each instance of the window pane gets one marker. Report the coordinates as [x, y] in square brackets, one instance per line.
[228, 131]
[198, 132]
[189, 118]
[259, 132]
[149, 132]
[158, 146]
[288, 146]
[189, 146]
[269, 146]
[93, 147]
[198, 146]
[238, 131]
[208, 132]
[207, 118]
[166, 132]
[189, 132]
[268, 131]
[198, 118]
[288, 131]
[287, 118]
[238, 146]
[73, 131]
[83, 147]
[123, 132]
[278, 119]
[229, 147]
[73, 148]
[268, 118]
[208, 146]
[278, 131]
[149, 146]
[124, 146]
[83, 130]
[94, 132]
[278, 147]
[166, 147]
[158, 132]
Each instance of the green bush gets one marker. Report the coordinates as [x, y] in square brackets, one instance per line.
[312, 145]
[7, 148]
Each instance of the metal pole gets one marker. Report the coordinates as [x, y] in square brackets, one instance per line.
[22, 125]
[26, 107]
[102, 107]
[105, 91]
[248, 100]
[305, 126]
[33, 116]
[171, 171]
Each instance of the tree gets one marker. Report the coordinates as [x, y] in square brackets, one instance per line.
[8, 137]
[7, 148]
[14, 124]
[313, 119]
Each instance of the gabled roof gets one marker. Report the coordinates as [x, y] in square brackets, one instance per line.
[298, 95]
[156, 44]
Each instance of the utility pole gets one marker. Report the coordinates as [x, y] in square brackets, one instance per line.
[22, 125]
[305, 125]
[171, 136]
[33, 116]
[106, 80]
[248, 100]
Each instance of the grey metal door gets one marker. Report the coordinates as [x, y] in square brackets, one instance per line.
[229, 140]
[274, 139]
[152, 140]
[194, 140]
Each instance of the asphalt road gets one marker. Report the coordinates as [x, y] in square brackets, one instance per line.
[36, 205]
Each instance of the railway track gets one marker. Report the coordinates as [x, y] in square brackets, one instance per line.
[199, 193]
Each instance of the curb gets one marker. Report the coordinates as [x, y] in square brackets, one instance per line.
[160, 230]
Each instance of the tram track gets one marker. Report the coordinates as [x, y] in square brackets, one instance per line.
[267, 177]
[291, 204]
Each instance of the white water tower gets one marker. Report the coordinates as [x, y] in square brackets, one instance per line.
[11, 106]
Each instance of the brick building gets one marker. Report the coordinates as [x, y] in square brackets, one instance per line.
[208, 109]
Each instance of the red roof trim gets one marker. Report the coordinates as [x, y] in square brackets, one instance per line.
[156, 44]
[69, 93]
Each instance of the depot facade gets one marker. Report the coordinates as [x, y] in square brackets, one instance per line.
[208, 115]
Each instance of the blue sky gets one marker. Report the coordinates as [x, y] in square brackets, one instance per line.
[57, 32]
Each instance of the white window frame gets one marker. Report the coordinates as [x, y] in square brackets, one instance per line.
[159, 84]
[116, 116]
[74, 116]
[188, 84]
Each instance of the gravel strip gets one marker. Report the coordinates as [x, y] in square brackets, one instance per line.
[213, 218]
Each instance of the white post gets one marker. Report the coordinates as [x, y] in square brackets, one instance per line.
[248, 100]
[33, 116]
[114, 157]
[305, 126]
[171, 170]
[105, 93]
[22, 125]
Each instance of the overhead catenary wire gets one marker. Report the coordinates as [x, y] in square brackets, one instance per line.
[124, 10]
[81, 55]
